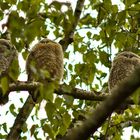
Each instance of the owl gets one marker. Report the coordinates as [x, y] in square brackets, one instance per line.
[47, 55]
[122, 67]
[9, 66]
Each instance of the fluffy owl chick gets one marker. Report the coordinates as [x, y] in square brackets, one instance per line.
[9, 67]
[45, 56]
[122, 67]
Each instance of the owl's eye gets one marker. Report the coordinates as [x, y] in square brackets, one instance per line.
[129, 55]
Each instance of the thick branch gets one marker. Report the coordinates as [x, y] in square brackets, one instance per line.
[75, 92]
[20, 120]
[100, 114]
[69, 35]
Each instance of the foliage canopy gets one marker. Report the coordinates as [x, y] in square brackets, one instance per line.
[89, 42]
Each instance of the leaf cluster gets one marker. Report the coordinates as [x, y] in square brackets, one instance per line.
[103, 28]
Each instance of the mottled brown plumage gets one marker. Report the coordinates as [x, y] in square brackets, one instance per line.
[122, 67]
[8, 58]
[46, 56]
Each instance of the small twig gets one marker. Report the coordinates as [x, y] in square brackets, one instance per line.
[68, 39]
[107, 128]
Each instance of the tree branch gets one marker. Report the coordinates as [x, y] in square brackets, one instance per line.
[100, 114]
[74, 92]
[20, 120]
[68, 39]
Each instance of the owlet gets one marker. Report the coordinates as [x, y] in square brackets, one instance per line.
[123, 65]
[9, 66]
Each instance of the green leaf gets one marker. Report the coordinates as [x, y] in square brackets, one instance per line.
[62, 129]
[14, 70]
[136, 126]
[104, 58]
[33, 128]
[102, 12]
[25, 54]
[1, 14]
[121, 17]
[58, 102]
[136, 8]
[36, 25]
[69, 100]
[16, 24]
[66, 55]
[82, 49]
[66, 119]
[86, 72]
[3, 136]
[5, 127]
[46, 91]
[4, 84]
[89, 34]
[70, 67]
[136, 96]
[120, 40]
[47, 128]
[50, 110]
[56, 4]
[90, 57]
[129, 2]
[12, 110]
[67, 88]
[114, 8]
[87, 20]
